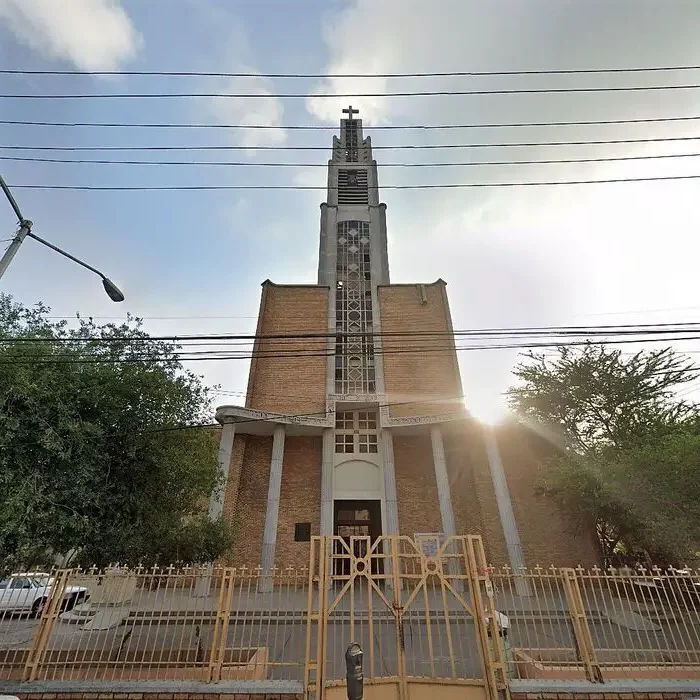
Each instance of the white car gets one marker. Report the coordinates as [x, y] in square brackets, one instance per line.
[29, 592]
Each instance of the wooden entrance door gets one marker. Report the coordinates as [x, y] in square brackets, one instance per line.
[355, 519]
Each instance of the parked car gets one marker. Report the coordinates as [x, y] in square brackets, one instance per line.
[29, 592]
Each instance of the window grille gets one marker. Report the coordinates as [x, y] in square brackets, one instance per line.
[354, 347]
[356, 432]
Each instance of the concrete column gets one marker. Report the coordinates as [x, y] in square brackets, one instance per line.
[445, 499]
[443, 484]
[391, 526]
[267, 560]
[505, 511]
[327, 483]
[216, 500]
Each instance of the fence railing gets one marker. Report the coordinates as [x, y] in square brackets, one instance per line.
[600, 624]
[205, 624]
[220, 623]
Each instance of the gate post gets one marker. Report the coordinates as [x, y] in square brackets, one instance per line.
[582, 633]
[398, 617]
[220, 634]
[316, 667]
[488, 633]
[49, 615]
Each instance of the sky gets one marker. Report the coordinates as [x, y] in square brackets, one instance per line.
[192, 262]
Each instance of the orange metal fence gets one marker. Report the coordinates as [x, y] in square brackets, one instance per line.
[570, 624]
[206, 624]
[419, 610]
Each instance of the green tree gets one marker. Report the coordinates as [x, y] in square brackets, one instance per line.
[92, 456]
[627, 445]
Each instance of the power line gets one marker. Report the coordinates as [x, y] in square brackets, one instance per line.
[325, 127]
[20, 359]
[344, 95]
[454, 185]
[251, 164]
[609, 329]
[408, 146]
[145, 318]
[427, 74]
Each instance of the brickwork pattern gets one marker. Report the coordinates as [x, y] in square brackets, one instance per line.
[233, 484]
[601, 696]
[490, 521]
[249, 510]
[296, 382]
[268, 696]
[416, 489]
[300, 500]
[417, 377]
[156, 696]
[548, 536]
[460, 473]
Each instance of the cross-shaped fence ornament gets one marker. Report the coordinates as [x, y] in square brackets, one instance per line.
[350, 111]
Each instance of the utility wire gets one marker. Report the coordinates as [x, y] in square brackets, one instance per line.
[647, 328]
[325, 127]
[296, 347]
[408, 146]
[427, 74]
[344, 95]
[21, 359]
[251, 164]
[454, 185]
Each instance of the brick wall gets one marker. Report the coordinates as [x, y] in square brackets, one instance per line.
[262, 696]
[249, 510]
[461, 475]
[601, 696]
[548, 536]
[211, 694]
[300, 500]
[416, 489]
[417, 377]
[233, 484]
[294, 383]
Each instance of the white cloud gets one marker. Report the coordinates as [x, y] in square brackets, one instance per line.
[266, 111]
[91, 34]
[529, 256]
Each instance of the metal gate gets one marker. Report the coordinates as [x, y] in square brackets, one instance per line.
[422, 610]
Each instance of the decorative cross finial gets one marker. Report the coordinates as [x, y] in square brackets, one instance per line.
[350, 111]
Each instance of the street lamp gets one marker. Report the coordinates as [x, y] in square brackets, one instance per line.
[25, 229]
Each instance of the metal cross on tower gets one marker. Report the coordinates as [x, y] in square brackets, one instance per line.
[350, 111]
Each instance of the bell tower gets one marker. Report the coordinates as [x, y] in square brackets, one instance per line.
[353, 261]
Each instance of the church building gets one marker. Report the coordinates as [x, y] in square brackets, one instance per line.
[354, 421]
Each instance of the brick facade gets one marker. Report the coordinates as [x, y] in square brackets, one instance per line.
[210, 694]
[214, 695]
[249, 509]
[299, 385]
[414, 378]
[300, 499]
[548, 536]
[295, 383]
[416, 489]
